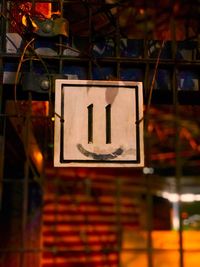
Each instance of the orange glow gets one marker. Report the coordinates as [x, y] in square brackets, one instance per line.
[166, 240]
[44, 9]
[37, 157]
[141, 11]
[130, 259]
[40, 108]
[80, 223]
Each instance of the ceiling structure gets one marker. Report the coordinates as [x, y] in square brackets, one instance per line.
[139, 19]
[135, 19]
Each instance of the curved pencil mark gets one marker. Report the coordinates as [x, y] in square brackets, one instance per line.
[96, 156]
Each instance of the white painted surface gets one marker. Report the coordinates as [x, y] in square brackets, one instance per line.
[75, 97]
[13, 42]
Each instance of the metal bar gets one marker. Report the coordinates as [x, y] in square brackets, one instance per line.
[178, 176]
[90, 251]
[90, 42]
[3, 23]
[61, 41]
[117, 48]
[16, 181]
[24, 116]
[2, 149]
[147, 177]
[2, 120]
[26, 185]
[149, 202]
[178, 166]
[118, 218]
[138, 61]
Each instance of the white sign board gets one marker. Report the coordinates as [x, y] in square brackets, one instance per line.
[98, 123]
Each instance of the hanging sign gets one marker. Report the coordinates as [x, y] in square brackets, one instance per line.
[98, 123]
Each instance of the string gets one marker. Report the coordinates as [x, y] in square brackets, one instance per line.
[154, 77]
[152, 85]
[19, 67]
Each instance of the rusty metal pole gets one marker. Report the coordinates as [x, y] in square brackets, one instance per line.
[178, 167]
[149, 198]
[26, 185]
[2, 119]
[2, 134]
[118, 218]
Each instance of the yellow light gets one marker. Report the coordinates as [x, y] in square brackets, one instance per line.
[37, 158]
[141, 10]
